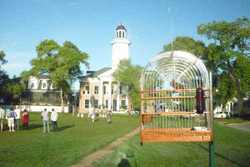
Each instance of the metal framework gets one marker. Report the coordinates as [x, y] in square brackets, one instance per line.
[169, 83]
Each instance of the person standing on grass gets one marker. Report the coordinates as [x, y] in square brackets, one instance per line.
[7, 112]
[2, 115]
[93, 115]
[11, 117]
[54, 116]
[45, 117]
[17, 118]
[25, 120]
[109, 117]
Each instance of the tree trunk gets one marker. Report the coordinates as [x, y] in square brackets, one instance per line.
[240, 99]
[239, 91]
[62, 101]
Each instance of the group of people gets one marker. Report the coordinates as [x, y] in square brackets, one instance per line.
[13, 116]
[45, 118]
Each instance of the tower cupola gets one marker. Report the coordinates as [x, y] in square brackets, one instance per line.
[120, 31]
[120, 46]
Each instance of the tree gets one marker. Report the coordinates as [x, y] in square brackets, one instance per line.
[14, 89]
[2, 55]
[129, 75]
[3, 76]
[228, 55]
[199, 49]
[61, 63]
[10, 89]
[187, 44]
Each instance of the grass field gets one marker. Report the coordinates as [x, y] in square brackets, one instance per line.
[232, 120]
[232, 149]
[75, 139]
[78, 138]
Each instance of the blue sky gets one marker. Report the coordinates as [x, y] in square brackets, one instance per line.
[90, 24]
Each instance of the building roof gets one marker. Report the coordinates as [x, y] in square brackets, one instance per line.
[93, 74]
[43, 76]
[121, 27]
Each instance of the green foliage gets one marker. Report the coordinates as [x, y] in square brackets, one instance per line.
[2, 55]
[15, 88]
[61, 63]
[228, 56]
[4, 78]
[11, 89]
[129, 75]
[187, 44]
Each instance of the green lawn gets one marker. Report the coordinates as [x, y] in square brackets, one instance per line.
[232, 149]
[77, 138]
[232, 120]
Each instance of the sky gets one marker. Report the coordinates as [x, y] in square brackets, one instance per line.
[91, 24]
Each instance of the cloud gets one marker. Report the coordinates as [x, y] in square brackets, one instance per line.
[17, 62]
[20, 56]
[15, 68]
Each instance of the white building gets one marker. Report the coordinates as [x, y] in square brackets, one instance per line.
[41, 94]
[108, 94]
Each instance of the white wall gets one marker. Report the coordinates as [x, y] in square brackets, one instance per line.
[39, 108]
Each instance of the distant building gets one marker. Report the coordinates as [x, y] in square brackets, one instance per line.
[41, 94]
[108, 94]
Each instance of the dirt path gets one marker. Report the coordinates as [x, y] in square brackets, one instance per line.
[241, 126]
[105, 151]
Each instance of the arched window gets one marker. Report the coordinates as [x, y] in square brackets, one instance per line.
[119, 34]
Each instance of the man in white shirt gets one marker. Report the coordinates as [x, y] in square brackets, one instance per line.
[45, 117]
[2, 115]
[17, 118]
[54, 116]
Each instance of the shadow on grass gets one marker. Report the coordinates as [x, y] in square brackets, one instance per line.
[65, 127]
[110, 122]
[97, 119]
[33, 126]
[124, 163]
[222, 156]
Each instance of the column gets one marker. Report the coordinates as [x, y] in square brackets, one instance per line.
[109, 95]
[118, 97]
[101, 93]
[126, 102]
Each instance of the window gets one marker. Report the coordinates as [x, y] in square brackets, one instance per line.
[114, 90]
[44, 86]
[107, 104]
[123, 104]
[96, 104]
[32, 85]
[119, 34]
[86, 90]
[86, 103]
[96, 90]
[105, 90]
[123, 34]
